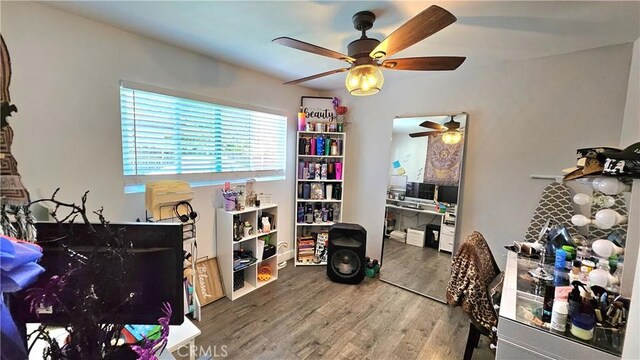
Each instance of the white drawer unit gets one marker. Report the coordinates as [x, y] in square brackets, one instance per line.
[415, 237]
[446, 238]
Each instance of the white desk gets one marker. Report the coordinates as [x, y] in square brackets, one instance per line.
[418, 210]
[179, 336]
[447, 232]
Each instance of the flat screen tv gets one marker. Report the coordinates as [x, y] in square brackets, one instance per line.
[420, 190]
[448, 194]
[153, 268]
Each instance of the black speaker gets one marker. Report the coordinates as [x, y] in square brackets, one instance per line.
[346, 253]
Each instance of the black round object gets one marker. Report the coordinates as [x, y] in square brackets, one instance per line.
[346, 262]
[363, 20]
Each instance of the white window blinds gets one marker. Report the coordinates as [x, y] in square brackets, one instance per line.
[164, 135]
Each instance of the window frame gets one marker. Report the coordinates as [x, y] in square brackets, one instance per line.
[136, 183]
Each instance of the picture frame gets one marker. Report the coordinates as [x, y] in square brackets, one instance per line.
[318, 108]
[264, 198]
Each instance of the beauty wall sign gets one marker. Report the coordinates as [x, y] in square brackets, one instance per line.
[318, 108]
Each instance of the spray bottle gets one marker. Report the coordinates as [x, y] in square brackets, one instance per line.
[575, 300]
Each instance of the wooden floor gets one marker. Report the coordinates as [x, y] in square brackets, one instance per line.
[303, 315]
[421, 269]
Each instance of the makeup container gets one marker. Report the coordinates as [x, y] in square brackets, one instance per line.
[559, 315]
[582, 326]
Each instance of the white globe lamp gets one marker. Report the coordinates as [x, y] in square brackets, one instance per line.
[605, 248]
[580, 220]
[606, 218]
[611, 186]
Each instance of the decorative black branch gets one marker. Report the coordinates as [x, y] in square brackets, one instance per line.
[90, 285]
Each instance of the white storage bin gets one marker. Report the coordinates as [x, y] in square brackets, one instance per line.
[415, 237]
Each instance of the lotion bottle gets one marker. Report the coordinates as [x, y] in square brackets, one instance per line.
[560, 310]
[559, 315]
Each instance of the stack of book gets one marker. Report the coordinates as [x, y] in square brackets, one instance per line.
[306, 248]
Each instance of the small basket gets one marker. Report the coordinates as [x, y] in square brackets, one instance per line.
[238, 280]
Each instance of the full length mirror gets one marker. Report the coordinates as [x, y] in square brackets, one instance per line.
[425, 170]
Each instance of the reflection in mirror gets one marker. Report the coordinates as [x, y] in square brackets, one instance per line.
[422, 202]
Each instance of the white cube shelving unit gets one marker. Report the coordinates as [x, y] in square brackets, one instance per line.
[226, 246]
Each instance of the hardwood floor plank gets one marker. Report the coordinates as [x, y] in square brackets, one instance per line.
[303, 315]
[422, 269]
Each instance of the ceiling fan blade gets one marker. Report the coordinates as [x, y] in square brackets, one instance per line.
[314, 49]
[431, 63]
[425, 133]
[331, 72]
[432, 125]
[421, 26]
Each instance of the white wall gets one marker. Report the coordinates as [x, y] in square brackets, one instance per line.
[526, 117]
[631, 134]
[66, 73]
[631, 125]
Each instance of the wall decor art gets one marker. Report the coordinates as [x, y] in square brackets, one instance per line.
[318, 109]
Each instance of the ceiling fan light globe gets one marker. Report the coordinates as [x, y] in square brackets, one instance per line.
[451, 137]
[364, 80]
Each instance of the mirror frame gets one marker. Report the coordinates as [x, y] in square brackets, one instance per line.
[456, 238]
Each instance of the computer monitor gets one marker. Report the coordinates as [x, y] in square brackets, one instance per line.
[420, 191]
[448, 194]
[154, 273]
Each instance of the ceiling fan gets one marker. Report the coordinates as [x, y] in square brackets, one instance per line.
[367, 55]
[449, 130]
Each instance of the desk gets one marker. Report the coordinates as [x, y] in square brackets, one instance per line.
[417, 210]
[179, 336]
[519, 339]
[447, 231]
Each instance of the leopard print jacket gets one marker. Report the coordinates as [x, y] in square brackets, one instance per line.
[472, 271]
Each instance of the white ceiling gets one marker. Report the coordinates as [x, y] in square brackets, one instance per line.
[240, 32]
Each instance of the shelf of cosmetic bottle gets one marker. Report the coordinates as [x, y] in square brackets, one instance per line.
[314, 200]
[321, 156]
[321, 132]
[313, 180]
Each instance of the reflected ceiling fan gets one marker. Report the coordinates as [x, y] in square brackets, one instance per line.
[449, 130]
[368, 55]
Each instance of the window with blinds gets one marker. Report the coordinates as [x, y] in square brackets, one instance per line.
[169, 135]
